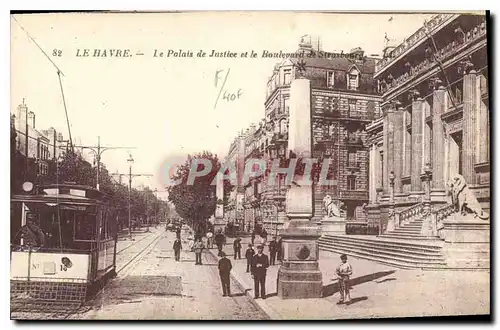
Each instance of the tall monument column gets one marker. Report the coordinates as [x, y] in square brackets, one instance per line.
[469, 124]
[299, 275]
[439, 104]
[417, 141]
[219, 209]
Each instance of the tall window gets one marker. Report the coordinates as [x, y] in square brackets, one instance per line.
[287, 76]
[330, 79]
[352, 158]
[353, 80]
[351, 182]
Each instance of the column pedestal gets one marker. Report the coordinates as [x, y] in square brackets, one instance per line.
[299, 276]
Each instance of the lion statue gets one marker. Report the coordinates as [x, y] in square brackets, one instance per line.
[463, 199]
[331, 209]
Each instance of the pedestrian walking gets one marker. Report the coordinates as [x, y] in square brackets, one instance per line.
[264, 237]
[210, 240]
[224, 273]
[260, 263]
[344, 271]
[253, 237]
[280, 250]
[273, 248]
[249, 253]
[198, 248]
[219, 241]
[237, 248]
[177, 249]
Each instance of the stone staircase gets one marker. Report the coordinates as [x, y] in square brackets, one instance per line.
[402, 253]
[405, 244]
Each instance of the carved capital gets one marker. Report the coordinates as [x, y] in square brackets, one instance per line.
[413, 94]
[435, 83]
[465, 66]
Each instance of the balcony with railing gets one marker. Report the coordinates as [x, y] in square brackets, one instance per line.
[418, 36]
[452, 48]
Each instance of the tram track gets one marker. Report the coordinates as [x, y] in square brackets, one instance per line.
[83, 307]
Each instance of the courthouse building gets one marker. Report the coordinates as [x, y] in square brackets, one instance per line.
[435, 119]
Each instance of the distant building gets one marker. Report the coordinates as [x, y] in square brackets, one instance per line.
[43, 145]
[344, 100]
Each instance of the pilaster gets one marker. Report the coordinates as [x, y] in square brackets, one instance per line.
[439, 104]
[417, 143]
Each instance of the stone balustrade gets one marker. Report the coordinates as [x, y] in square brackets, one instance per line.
[440, 55]
[409, 214]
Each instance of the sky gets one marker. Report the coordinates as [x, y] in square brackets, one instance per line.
[165, 107]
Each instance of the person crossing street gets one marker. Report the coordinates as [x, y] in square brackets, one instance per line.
[237, 248]
[177, 249]
[273, 248]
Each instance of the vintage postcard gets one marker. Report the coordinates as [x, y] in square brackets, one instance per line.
[249, 165]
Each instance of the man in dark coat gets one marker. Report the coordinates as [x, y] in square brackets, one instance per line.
[249, 253]
[273, 248]
[237, 248]
[260, 263]
[177, 249]
[224, 273]
[219, 241]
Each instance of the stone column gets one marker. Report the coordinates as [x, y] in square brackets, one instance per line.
[417, 143]
[299, 275]
[469, 127]
[407, 146]
[482, 136]
[439, 104]
[389, 146]
[373, 173]
[399, 130]
[385, 150]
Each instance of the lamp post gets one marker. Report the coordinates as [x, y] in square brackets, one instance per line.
[426, 177]
[130, 160]
[156, 206]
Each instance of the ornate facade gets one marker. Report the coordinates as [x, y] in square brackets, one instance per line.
[435, 121]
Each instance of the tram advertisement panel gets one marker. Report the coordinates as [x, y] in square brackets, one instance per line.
[49, 266]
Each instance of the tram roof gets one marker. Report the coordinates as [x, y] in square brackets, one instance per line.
[55, 199]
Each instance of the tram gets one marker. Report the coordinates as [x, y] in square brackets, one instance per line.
[63, 243]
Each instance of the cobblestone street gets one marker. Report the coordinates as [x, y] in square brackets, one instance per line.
[158, 287]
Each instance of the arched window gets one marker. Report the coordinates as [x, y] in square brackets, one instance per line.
[353, 79]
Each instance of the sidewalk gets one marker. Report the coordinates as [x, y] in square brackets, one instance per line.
[377, 291]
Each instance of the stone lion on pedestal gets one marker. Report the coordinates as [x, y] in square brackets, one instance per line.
[463, 199]
[331, 209]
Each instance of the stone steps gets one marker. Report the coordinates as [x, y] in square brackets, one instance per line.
[402, 254]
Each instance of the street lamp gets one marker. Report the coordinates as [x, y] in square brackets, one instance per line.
[130, 160]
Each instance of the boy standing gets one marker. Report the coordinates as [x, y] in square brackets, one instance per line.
[249, 255]
[198, 247]
[344, 271]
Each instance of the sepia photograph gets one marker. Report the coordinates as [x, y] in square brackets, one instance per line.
[249, 165]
